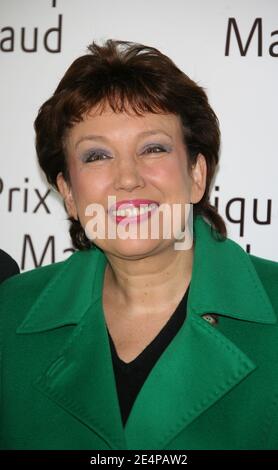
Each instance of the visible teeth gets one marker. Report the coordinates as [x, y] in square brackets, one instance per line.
[134, 211]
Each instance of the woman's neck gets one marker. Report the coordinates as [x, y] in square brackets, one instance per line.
[151, 284]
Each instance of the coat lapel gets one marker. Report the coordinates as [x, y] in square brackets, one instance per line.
[197, 368]
[81, 378]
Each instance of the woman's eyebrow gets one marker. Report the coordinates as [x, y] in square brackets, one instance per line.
[106, 139]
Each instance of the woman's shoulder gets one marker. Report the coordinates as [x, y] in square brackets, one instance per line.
[37, 278]
[25, 287]
[30, 278]
[267, 270]
[19, 293]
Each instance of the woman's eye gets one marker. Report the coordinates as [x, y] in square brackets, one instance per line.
[95, 156]
[155, 149]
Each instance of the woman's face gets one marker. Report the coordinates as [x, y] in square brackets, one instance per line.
[138, 159]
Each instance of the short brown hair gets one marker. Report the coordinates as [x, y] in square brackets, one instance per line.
[127, 73]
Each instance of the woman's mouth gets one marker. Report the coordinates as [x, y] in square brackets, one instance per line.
[134, 211]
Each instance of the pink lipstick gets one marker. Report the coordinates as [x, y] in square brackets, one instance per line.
[133, 210]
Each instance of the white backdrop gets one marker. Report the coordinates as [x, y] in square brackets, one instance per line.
[229, 47]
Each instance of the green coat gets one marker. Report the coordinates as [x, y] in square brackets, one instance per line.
[214, 387]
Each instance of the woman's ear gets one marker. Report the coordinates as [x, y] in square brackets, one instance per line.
[199, 178]
[66, 193]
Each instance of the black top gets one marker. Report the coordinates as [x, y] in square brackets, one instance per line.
[131, 376]
[8, 266]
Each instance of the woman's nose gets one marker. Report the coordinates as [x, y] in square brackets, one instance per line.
[127, 176]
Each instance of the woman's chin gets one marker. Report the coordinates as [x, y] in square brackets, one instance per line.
[133, 248]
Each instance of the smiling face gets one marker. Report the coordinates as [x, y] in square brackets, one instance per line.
[132, 158]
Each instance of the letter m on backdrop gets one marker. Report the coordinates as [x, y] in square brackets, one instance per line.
[257, 27]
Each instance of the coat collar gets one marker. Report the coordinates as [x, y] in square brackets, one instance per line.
[198, 367]
[224, 281]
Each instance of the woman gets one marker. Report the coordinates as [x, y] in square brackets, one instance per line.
[137, 343]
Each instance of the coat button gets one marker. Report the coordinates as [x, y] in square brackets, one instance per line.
[212, 319]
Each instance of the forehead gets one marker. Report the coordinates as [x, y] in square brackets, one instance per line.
[123, 125]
